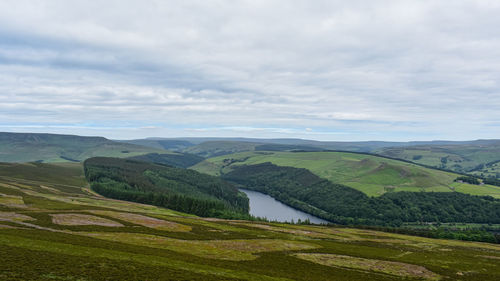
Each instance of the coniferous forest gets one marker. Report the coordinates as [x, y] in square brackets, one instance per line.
[165, 186]
[341, 204]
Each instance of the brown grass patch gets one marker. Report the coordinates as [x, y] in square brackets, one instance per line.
[145, 221]
[388, 267]
[235, 250]
[490, 257]
[300, 232]
[11, 216]
[81, 219]
[12, 201]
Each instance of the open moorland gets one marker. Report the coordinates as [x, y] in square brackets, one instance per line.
[30, 147]
[55, 228]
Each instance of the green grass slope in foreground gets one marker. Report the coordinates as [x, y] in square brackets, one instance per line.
[370, 174]
[54, 230]
[28, 147]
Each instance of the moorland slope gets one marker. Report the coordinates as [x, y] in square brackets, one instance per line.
[56, 229]
[31, 147]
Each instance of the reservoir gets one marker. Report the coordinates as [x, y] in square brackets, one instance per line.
[262, 205]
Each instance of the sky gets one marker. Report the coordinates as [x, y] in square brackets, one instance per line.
[326, 70]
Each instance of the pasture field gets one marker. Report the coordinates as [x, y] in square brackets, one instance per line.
[57, 229]
[480, 158]
[370, 174]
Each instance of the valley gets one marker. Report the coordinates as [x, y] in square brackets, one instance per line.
[57, 229]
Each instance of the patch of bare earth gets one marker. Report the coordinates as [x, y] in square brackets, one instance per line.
[81, 219]
[145, 221]
[388, 267]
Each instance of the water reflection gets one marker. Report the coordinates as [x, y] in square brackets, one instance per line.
[262, 205]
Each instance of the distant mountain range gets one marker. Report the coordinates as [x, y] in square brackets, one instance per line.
[479, 157]
[29, 147]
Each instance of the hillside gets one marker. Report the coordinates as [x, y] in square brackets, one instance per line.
[300, 188]
[182, 160]
[216, 148]
[479, 157]
[166, 186]
[168, 144]
[370, 174]
[55, 230]
[30, 147]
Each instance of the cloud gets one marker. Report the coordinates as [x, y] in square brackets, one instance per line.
[391, 70]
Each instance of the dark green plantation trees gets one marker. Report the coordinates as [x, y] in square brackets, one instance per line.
[341, 204]
[174, 188]
[468, 179]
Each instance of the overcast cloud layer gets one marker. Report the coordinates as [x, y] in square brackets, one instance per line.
[327, 70]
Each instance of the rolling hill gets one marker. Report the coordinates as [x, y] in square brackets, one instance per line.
[370, 174]
[479, 157]
[30, 147]
[55, 228]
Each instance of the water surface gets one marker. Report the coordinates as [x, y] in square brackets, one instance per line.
[262, 205]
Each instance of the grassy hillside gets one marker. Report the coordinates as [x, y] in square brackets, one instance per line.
[183, 160]
[216, 148]
[53, 230]
[27, 147]
[300, 188]
[370, 174]
[168, 144]
[480, 157]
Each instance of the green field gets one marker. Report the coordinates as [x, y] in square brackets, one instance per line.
[20, 147]
[476, 158]
[370, 174]
[56, 229]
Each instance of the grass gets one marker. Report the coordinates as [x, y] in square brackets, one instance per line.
[458, 157]
[233, 250]
[370, 174]
[145, 221]
[28, 147]
[81, 219]
[387, 267]
[159, 244]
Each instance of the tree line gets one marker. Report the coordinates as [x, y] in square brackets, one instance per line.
[165, 186]
[341, 204]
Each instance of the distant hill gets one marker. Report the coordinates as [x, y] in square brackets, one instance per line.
[30, 147]
[168, 144]
[217, 148]
[373, 175]
[464, 156]
[181, 160]
[480, 157]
